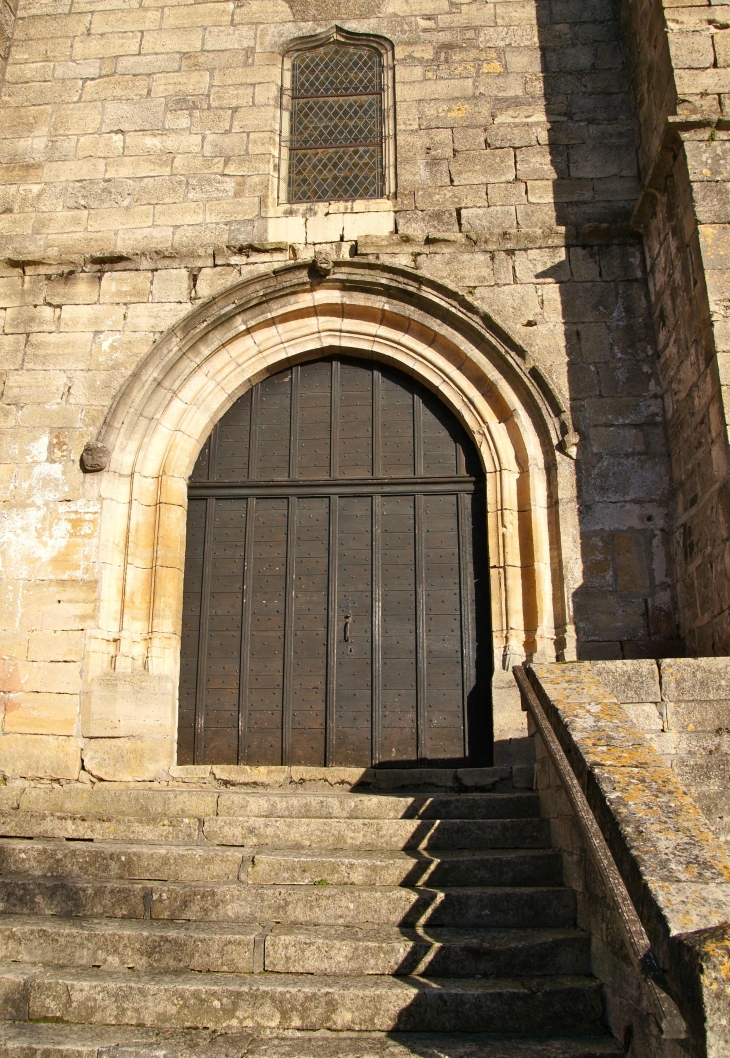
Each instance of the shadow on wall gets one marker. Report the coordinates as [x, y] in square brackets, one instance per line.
[587, 182]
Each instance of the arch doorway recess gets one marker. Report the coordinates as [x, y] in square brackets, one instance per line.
[335, 593]
[259, 327]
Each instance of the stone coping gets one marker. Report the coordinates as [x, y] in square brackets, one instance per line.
[676, 871]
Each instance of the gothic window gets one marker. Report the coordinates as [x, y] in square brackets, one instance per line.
[337, 117]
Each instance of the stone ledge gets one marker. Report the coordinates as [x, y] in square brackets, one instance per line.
[677, 873]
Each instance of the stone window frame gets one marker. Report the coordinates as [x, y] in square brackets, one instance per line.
[387, 56]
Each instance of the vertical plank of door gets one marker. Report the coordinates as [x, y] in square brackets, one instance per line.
[309, 636]
[291, 548]
[417, 435]
[268, 604]
[376, 666]
[418, 528]
[294, 424]
[335, 420]
[190, 638]
[376, 618]
[377, 423]
[466, 581]
[244, 684]
[224, 631]
[332, 623]
[213, 454]
[421, 681]
[253, 432]
[201, 682]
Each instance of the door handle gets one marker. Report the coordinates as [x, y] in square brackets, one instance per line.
[348, 621]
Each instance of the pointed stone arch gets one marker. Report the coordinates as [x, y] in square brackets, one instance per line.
[166, 410]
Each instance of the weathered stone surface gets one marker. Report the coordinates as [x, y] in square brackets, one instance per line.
[535, 867]
[342, 1004]
[43, 756]
[128, 704]
[695, 679]
[382, 806]
[96, 859]
[676, 872]
[80, 1041]
[348, 951]
[346, 905]
[630, 681]
[127, 759]
[98, 827]
[376, 833]
[118, 800]
[142, 946]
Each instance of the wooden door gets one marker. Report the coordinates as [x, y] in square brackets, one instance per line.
[335, 597]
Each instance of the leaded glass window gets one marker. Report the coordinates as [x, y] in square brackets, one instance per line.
[336, 146]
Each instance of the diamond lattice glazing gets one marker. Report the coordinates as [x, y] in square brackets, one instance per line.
[337, 173]
[349, 121]
[337, 70]
[337, 134]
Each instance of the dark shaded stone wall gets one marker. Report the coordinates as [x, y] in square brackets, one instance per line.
[678, 61]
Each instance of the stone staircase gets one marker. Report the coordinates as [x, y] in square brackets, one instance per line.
[213, 922]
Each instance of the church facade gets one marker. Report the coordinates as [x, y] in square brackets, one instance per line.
[352, 353]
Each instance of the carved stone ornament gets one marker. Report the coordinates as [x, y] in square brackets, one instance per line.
[95, 457]
[569, 444]
[322, 264]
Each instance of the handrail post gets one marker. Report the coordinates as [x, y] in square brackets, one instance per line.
[670, 1021]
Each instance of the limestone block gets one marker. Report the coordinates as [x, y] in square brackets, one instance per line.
[171, 284]
[629, 681]
[495, 218]
[56, 646]
[39, 676]
[42, 713]
[76, 289]
[40, 756]
[128, 759]
[129, 704]
[246, 775]
[695, 679]
[492, 166]
[93, 317]
[125, 286]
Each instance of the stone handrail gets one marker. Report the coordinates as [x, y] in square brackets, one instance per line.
[670, 1021]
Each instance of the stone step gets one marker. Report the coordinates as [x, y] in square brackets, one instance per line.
[178, 863]
[417, 868]
[345, 905]
[146, 946]
[354, 951]
[516, 805]
[105, 799]
[98, 859]
[128, 943]
[23, 1040]
[543, 1006]
[287, 832]
[378, 833]
[158, 830]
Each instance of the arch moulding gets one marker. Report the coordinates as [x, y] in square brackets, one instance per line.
[189, 379]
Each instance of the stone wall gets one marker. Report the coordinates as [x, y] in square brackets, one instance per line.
[676, 873]
[679, 59]
[141, 179]
[682, 705]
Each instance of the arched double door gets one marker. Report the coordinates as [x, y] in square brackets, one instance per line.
[335, 595]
